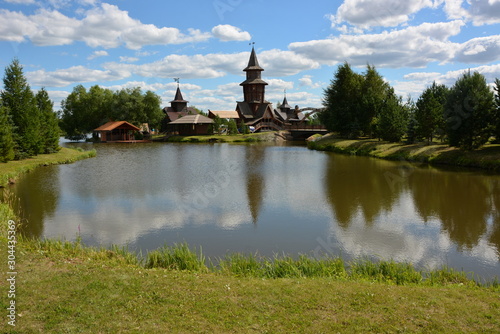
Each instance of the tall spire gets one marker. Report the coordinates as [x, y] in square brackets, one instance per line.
[253, 63]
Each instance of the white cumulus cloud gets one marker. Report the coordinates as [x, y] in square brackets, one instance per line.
[226, 32]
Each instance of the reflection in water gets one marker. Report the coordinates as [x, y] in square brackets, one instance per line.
[268, 199]
[370, 185]
[39, 200]
[461, 202]
[254, 155]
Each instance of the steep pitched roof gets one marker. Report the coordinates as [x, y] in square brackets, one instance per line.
[285, 104]
[253, 63]
[178, 96]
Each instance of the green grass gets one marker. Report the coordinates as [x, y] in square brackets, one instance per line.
[11, 170]
[487, 157]
[65, 287]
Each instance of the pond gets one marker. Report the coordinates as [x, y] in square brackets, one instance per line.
[268, 199]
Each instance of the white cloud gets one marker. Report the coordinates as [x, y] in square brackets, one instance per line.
[226, 32]
[75, 74]
[283, 63]
[96, 54]
[480, 12]
[415, 83]
[104, 26]
[480, 50]
[306, 81]
[410, 47]
[372, 13]
[128, 59]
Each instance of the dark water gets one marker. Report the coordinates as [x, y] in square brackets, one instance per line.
[269, 199]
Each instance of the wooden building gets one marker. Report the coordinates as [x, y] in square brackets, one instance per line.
[120, 131]
[254, 110]
[178, 108]
[190, 125]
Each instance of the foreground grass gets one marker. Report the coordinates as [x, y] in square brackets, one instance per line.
[11, 170]
[488, 157]
[66, 288]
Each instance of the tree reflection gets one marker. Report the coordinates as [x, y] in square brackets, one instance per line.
[369, 185]
[461, 202]
[495, 235]
[34, 204]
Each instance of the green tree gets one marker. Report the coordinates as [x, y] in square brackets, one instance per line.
[75, 120]
[152, 109]
[244, 129]
[392, 121]
[19, 99]
[50, 131]
[373, 92]
[469, 111]
[216, 126]
[6, 139]
[232, 128]
[430, 110]
[496, 117]
[341, 101]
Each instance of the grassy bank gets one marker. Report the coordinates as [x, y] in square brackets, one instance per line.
[11, 170]
[488, 157]
[240, 138]
[67, 288]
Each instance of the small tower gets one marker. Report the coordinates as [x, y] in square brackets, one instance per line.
[178, 104]
[285, 107]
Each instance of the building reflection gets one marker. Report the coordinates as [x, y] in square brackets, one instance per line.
[255, 183]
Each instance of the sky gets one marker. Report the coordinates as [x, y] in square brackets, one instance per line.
[207, 43]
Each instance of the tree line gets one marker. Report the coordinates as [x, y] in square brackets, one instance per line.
[28, 124]
[465, 115]
[83, 111]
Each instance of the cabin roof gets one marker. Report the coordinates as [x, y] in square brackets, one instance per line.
[110, 126]
[193, 119]
[223, 114]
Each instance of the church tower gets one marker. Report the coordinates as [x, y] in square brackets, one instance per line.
[253, 86]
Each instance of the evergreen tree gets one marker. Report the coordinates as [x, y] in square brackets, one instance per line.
[430, 110]
[244, 129]
[19, 98]
[341, 101]
[373, 92]
[469, 111]
[496, 117]
[50, 131]
[6, 140]
[393, 118]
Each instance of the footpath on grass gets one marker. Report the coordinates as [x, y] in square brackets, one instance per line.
[487, 157]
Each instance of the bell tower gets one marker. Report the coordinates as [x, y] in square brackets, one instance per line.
[254, 86]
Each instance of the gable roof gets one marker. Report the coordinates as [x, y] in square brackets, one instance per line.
[110, 126]
[223, 114]
[193, 119]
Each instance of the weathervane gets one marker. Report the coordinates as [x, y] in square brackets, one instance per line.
[177, 80]
[252, 43]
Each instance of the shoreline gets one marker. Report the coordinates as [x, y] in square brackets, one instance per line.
[487, 157]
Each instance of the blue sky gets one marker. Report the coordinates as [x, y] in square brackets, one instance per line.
[205, 43]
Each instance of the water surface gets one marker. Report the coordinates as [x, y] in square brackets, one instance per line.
[269, 199]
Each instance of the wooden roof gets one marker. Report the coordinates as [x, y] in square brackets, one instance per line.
[110, 126]
[192, 119]
[224, 114]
